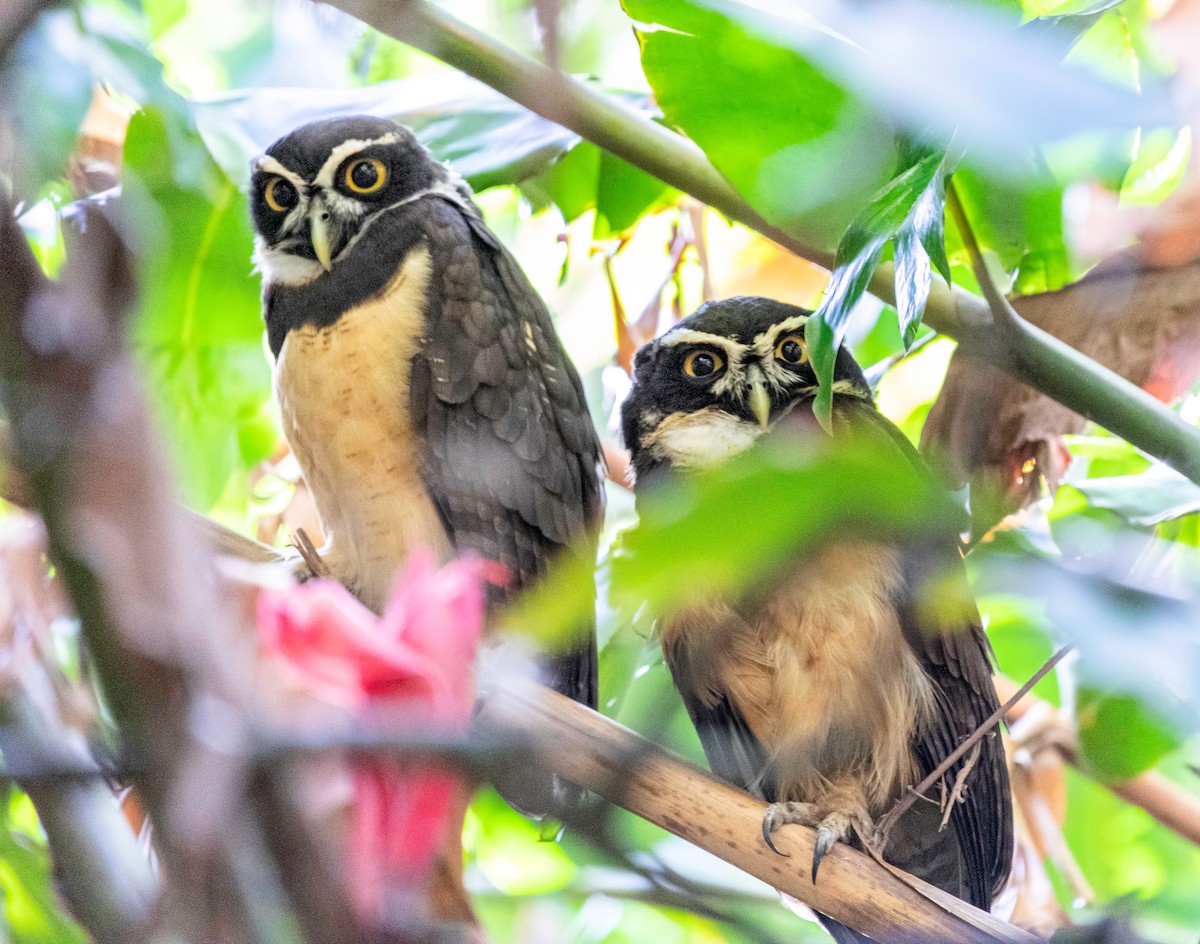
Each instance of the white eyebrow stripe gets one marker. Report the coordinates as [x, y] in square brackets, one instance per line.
[764, 344]
[343, 151]
[687, 336]
[270, 165]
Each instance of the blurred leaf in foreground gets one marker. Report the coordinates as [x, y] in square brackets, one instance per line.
[1139, 653]
[725, 529]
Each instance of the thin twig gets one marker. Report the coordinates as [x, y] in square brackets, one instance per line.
[1002, 311]
[955, 795]
[312, 557]
[915, 793]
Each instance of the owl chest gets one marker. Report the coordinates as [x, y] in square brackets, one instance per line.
[821, 672]
[343, 398]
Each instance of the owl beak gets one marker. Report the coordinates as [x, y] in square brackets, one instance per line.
[322, 237]
[760, 403]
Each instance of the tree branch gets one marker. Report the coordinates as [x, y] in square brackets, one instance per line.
[1029, 354]
[1165, 800]
[105, 877]
[619, 765]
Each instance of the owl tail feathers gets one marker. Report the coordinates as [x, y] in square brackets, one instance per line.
[838, 931]
[540, 796]
[842, 934]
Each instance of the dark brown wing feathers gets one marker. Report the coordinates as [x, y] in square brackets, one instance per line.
[514, 464]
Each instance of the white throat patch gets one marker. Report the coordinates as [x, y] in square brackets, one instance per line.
[702, 439]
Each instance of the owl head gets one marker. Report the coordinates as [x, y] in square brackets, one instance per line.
[317, 190]
[708, 388]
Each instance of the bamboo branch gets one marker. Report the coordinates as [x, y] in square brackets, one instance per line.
[1165, 800]
[619, 765]
[1029, 354]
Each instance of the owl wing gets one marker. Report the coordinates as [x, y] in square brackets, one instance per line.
[957, 661]
[513, 463]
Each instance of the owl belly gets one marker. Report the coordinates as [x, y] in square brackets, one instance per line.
[343, 396]
[848, 692]
[821, 674]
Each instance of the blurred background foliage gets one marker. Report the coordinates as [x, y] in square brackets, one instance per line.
[807, 113]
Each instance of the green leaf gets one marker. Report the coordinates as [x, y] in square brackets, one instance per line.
[1132, 641]
[1018, 219]
[771, 502]
[52, 72]
[198, 331]
[506, 848]
[486, 137]
[802, 149]
[1119, 737]
[1156, 495]
[954, 66]
[1061, 30]
[31, 908]
[588, 178]
[857, 256]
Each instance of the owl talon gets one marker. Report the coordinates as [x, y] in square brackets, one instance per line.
[781, 814]
[833, 828]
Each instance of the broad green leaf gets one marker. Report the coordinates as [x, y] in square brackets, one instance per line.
[1126, 855]
[1061, 30]
[1119, 737]
[1020, 636]
[32, 911]
[1019, 219]
[198, 332]
[954, 66]
[51, 75]
[857, 256]
[486, 137]
[588, 178]
[770, 503]
[1106, 456]
[1132, 641]
[505, 847]
[800, 147]
[1156, 495]
[1158, 167]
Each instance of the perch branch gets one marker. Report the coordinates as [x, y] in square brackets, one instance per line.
[1165, 800]
[624, 768]
[1029, 354]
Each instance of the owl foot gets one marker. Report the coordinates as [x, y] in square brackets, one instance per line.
[831, 828]
[783, 814]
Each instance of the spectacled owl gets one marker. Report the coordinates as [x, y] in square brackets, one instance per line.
[836, 690]
[422, 387]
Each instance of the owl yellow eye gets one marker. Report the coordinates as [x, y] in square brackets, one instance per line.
[703, 364]
[280, 195]
[792, 350]
[366, 175]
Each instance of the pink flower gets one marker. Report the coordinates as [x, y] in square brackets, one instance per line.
[415, 663]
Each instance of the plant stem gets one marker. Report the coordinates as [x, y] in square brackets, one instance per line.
[1027, 353]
